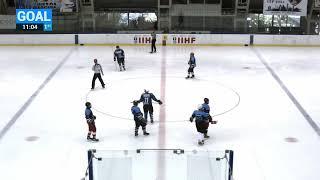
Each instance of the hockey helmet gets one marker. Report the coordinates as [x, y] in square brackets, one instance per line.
[135, 103]
[206, 100]
[88, 104]
[117, 46]
[146, 91]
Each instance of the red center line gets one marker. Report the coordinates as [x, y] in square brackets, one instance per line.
[162, 119]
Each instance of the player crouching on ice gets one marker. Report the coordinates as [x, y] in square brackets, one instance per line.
[202, 123]
[192, 65]
[138, 119]
[90, 121]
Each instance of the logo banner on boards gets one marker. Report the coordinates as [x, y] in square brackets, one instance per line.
[184, 39]
[285, 7]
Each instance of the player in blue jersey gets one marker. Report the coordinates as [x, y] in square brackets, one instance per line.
[205, 105]
[202, 123]
[138, 119]
[206, 109]
[147, 98]
[91, 124]
[119, 56]
[192, 65]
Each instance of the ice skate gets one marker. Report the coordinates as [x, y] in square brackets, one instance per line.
[145, 133]
[201, 142]
[94, 139]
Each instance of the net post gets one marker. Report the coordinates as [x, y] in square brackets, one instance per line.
[90, 167]
[230, 162]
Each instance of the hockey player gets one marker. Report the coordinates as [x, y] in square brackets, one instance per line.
[192, 65]
[138, 119]
[206, 109]
[202, 123]
[147, 98]
[97, 68]
[90, 121]
[119, 56]
[153, 42]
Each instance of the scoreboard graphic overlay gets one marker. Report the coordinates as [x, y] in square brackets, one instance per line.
[34, 19]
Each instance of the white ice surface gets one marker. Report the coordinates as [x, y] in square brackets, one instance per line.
[255, 129]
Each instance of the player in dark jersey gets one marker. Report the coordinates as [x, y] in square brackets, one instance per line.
[119, 56]
[147, 98]
[192, 65]
[138, 119]
[90, 121]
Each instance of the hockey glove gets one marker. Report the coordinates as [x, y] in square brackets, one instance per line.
[160, 102]
[94, 117]
[214, 122]
[191, 119]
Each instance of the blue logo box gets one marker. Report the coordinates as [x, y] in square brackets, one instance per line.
[34, 16]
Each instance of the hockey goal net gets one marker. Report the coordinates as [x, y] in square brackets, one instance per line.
[159, 164]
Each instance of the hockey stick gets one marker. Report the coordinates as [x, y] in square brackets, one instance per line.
[116, 66]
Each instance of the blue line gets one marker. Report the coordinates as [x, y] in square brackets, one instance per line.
[290, 95]
[33, 96]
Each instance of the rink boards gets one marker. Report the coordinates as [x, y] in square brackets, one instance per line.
[162, 39]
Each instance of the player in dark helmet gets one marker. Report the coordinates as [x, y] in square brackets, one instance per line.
[147, 98]
[90, 121]
[205, 105]
[192, 65]
[202, 123]
[206, 109]
[138, 119]
[119, 56]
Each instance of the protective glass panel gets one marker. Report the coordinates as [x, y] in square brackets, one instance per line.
[160, 164]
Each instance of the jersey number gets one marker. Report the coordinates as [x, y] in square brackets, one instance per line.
[146, 100]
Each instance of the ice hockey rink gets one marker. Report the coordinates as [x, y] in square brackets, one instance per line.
[265, 100]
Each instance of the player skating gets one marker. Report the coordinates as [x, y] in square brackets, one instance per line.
[91, 124]
[192, 65]
[138, 119]
[202, 120]
[206, 109]
[147, 98]
[119, 56]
